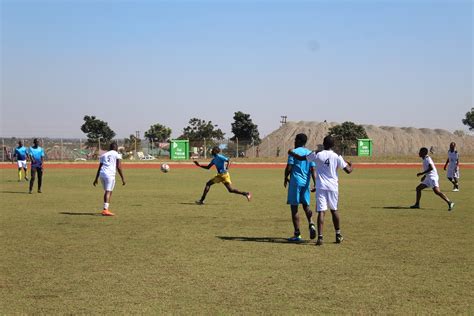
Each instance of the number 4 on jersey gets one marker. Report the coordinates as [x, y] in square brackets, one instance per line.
[327, 162]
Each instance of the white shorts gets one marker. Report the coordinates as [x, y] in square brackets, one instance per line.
[453, 172]
[326, 199]
[431, 182]
[22, 164]
[108, 183]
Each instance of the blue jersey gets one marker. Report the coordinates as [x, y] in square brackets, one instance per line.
[20, 153]
[219, 161]
[37, 154]
[300, 172]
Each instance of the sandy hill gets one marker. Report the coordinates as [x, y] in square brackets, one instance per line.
[387, 140]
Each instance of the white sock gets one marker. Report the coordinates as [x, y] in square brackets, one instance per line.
[338, 232]
[106, 206]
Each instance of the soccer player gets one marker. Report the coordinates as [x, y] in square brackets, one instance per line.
[429, 179]
[222, 165]
[327, 184]
[298, 175]
[21, 153]
[36, 154]
[453, 167]
[109, 163]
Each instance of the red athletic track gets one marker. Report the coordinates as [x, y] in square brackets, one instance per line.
[234, 165]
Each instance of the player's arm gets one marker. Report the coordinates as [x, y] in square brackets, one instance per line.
[348, 169]
[313, 176]
[96, 180]
[296, 156]
[446, 164]
[227, 164]
[119, 170]
[287, 173]
[430, 167]
[204, 167]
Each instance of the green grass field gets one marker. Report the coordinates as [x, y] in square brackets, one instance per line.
[163, 254]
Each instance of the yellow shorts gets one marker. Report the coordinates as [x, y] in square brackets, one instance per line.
[222, 177]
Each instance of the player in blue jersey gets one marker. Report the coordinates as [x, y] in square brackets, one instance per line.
[222, 165]
[36, 154]
[20, 155]
[298, 175]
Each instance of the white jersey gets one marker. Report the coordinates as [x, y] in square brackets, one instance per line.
[109, 163]
[453, 159]
[433, 174]
[327, 163]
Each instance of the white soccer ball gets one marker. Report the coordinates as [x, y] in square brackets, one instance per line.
[165, 168]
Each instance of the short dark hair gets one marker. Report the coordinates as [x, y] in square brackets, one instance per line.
[216, 149]
[424, 150]
[328, 142]
[113, 146]
[301, 139]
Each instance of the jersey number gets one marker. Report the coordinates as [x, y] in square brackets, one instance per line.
[327, 162]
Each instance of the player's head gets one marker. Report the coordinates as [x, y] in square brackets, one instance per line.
[113, 146]
[328, 142]
[452, 146]
[20, 143]
[215, 150]
[423, 152]
[35, 141]
[300, 140]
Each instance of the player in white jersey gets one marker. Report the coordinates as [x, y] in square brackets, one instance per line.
[109, 164]
[327, 184]
[430, 179]
[453, 166]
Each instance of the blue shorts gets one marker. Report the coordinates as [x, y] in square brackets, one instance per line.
[298, 195]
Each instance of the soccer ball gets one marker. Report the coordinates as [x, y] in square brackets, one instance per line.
[165, 168]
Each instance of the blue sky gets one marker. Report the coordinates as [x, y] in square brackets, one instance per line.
[136, 63]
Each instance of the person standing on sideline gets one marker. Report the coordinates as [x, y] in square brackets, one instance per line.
[327, 184]
[20, 154]
[429, 179]
[298, 176]
[109, 164]
[453, 166]
[222, 165]
[36, 155]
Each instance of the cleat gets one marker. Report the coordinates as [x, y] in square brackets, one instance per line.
[451, 206]
[107, 213]
[312, 231]
[339, 238]
[248, 196]
[26, 178]
[455, 190]
[199, 202]
[295, 239]
[30, 192]
[39, 191]
[415, 206]
[319, 242]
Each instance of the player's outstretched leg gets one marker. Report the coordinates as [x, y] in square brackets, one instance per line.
[32, 179]
[107, 198]
[419, 188]
[248, 195]
[444, 197]
[295, 218]
[321, 214]
[204, 194]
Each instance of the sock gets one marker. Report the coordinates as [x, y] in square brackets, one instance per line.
[320, 236]
[106, 206]
[338, 232]
[297, 233]
[19, 174]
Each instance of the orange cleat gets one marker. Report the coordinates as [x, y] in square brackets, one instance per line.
[107, 213]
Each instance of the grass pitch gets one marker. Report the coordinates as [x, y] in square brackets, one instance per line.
[163, 254]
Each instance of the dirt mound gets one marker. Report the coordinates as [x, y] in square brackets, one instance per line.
[387, 140]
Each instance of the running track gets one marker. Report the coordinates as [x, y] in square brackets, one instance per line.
[188, 165]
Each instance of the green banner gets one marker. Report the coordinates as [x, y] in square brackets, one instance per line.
[179, 149]
[364, 147]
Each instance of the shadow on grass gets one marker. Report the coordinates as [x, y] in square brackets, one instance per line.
[83, 214]
[14, 192]
[277, 240]
[395, 207]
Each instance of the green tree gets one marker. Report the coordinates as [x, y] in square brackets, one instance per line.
[469, 120]
[244, 129]
[97, 131]
[198, 130]
[346, 134]
[158, 133]
[129, 143]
